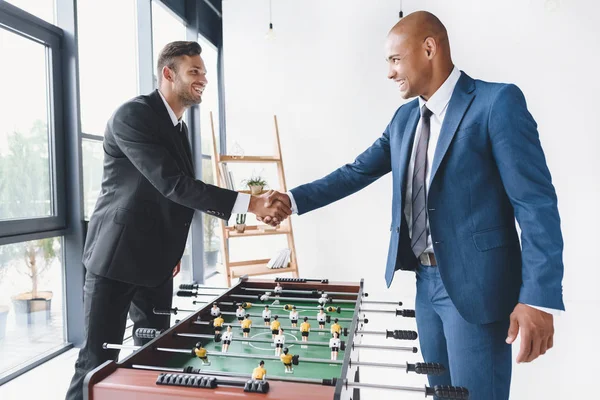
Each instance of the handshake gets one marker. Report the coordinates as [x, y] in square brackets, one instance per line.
[272, 208]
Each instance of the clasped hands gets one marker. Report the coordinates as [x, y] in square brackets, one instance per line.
[272, 208]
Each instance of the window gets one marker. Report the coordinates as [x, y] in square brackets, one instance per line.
[31, 299]
[43, 9]
[26, 189]
[93, 165]
[166, 28]
[107, 59]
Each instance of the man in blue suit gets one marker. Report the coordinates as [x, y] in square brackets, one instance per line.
[466, 160]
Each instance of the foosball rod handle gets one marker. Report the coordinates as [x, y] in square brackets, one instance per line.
[300, 280]
[426, 368]
[195, 286]
[168, 311]
[401, 335]
[147, 333]
[447, 392]
[185, 293]
[405, 313]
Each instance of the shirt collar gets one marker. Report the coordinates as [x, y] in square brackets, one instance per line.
[440, 99]
[174, 119]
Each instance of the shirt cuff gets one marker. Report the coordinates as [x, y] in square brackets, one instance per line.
[242, 202]
[294, 206]
[552, 311]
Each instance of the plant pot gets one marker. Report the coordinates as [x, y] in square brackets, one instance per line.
[29, 310]
[256, 190]
[3, 315]
[211, 257]
[240, 228]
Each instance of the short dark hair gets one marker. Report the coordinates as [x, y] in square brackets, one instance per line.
[169, 54]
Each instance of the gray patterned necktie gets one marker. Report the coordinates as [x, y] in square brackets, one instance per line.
[418, 241]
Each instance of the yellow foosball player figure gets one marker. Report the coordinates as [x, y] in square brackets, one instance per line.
[266, 314]
[288, 307]
[260, 373]
[246, 324]
[275, 325]
[227, 338]
[335, 327]
[294, 317]
[334, 345]
[201, 353]
[240, 312]
[218, 324]
[321, 318]
[286, 359]
[305, 329]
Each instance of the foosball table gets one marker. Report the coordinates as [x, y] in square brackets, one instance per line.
[288, 338]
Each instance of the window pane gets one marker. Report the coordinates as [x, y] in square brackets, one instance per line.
[107, 59]
[43, 9]
[93, 164]
[31, 301]
[212, 228]
[25, 184]
[210, 98]
[166, 28]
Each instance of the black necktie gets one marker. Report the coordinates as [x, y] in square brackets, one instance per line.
[418, 241]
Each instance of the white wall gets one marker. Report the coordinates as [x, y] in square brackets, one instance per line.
[324, 75]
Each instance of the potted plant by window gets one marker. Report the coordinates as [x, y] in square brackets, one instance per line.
[255, 184]
[211, 242]
[240, 223]
[37, 256]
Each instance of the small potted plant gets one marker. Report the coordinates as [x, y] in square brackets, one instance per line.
[240, 223]
[255, 184]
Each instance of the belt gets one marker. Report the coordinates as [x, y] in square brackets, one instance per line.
[428, 259]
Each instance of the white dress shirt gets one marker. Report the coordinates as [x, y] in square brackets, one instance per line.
[438, 105]
[243, 200]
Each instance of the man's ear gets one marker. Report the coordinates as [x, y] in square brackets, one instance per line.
[167, 74]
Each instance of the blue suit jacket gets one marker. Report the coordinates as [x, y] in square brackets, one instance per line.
[488, 168]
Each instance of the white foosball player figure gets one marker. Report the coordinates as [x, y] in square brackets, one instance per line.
[294, 316]
[266, 314]
[227, 338]
[215, 310]
[279, 342]
[334, 345]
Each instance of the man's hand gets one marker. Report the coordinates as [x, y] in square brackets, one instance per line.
[271, 208]
[176, 269]
[537, 332]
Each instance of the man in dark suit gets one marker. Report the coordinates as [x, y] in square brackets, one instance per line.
[466, 160]
[139, 227]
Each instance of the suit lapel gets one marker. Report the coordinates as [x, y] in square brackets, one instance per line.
[459, 103]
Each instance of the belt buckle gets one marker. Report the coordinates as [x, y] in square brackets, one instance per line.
[426, 259]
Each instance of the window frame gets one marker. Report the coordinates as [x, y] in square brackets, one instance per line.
[19, 22]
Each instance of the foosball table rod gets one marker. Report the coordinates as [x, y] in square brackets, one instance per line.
[287, 328]
[204, 336]
[440, 392]
[396, 334]
[265, 297]
[399, 312]
[193, 293]
[393, 348]
[287, 307]
[314, 292]
[195, 286]
[418, 368]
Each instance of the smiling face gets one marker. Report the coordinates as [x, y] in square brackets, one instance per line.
[409, 62]
[188, 80]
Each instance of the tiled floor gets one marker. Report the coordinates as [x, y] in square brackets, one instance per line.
[51, 380]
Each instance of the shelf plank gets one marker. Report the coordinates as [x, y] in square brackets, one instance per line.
[257, 269]
[255, 230]
[249, 159]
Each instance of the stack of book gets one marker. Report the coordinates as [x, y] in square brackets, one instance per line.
[227, 177]
[281, 259]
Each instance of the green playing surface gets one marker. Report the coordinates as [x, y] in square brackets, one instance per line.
[273, 367]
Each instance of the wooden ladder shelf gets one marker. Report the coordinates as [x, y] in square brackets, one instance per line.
[253, 267]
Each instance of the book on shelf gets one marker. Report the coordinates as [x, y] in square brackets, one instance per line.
[281, 259]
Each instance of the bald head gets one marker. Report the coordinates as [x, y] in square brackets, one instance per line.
[420, 25]
[418, 50]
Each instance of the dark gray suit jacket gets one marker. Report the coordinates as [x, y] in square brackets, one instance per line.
[138, 230]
